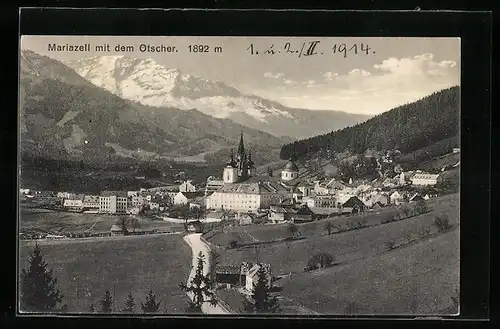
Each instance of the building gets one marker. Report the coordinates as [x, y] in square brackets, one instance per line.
[396, 197]
[187, 186]
[345, 194]
[248, 196]
[113, 202]
[252, 275]
[416, 197]
[244, 218]
[353, 205]
[116, 230]
[320, 213]
[230, 275]
[75, 203]
[91, 202]
[240, 169]
[290, 171]
[322, 201]
[456, 150]
[198, 202]
[213, 185]
[424, 179]
[195, 226]
[182, 198]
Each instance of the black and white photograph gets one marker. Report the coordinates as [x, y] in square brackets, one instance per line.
[239, 175]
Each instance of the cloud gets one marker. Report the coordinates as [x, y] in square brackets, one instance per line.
[419, 65]
[272, 75]
[358, 72]
[329, 76]
[289, 82]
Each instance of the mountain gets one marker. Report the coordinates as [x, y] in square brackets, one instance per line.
[149, 83]
[406, 128]
[65, 116]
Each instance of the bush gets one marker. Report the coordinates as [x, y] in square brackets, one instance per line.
[442, 223]
[233, 244]
[421, 207]
[319, 260]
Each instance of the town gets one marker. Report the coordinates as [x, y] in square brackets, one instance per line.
[245, 198]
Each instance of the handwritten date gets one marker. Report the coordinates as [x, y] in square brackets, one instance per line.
[311, 48]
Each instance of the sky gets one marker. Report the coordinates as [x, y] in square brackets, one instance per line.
[393, 71]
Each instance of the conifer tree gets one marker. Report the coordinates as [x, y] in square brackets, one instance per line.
[106, 303]
[92, 308]
[38, 287]
[200, 288]
[150, 306]
[261, 300]
[129, 304]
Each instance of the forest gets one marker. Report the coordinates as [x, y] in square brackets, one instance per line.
[406, 128]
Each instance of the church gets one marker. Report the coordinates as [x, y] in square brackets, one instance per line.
[244, 190]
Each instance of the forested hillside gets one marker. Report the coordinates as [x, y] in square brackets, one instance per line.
[406, 128]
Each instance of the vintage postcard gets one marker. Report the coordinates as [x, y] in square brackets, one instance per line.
[239, 175]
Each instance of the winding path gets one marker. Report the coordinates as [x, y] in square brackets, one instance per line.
[197, 245]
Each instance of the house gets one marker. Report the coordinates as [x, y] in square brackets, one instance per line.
[381, 198]
[229, 274]
[303, 214]
[218, 216]
[116, 230]
[185, 197]
[377, 205]
[252, 275]
[279, 214]
[244, 218]
[75, 203]
[396, 197]
[195, 226]
[91, 202]
[131, 194]
[187, 186]
[345, 194]
[113, 202]
[424, 179]
[353, 205]
[416, 197]
[456, 150]
[320, 213]
[322, 201]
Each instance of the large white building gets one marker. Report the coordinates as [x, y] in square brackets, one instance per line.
[242, 190]
[424, 179]
[113, 202]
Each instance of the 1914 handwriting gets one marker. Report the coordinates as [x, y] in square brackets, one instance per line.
[311, 48]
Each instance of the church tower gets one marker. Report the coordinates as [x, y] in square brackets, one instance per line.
[252, 171]
[230, 174]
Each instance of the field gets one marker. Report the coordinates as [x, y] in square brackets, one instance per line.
[136, 264]
[419, 275]
[66, 222]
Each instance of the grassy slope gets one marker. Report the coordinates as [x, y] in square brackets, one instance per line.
[135, 264]
[359, 250]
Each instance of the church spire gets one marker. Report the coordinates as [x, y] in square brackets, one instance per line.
[241, 147]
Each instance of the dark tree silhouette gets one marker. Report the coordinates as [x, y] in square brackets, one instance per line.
[292, 231]
[407, 128]
[151, 305]
[134, 222]
[106, 303]
[262, 300]
[38, 287]
[329, 227]
[91, 308]
[129, 304]
[200, 288]
[122, 223]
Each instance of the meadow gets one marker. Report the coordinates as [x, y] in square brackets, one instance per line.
[85, 269]
[420, 273]
[66, 222]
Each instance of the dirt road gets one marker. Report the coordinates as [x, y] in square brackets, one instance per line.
[197, 245]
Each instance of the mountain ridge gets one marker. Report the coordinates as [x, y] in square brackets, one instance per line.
[149, 83]
[65, 116]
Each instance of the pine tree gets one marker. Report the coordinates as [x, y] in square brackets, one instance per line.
[129, 304]
[38, 291]
[200, 288]
[91, 308]
[106, 303]
[150, 306]
[262, 301]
